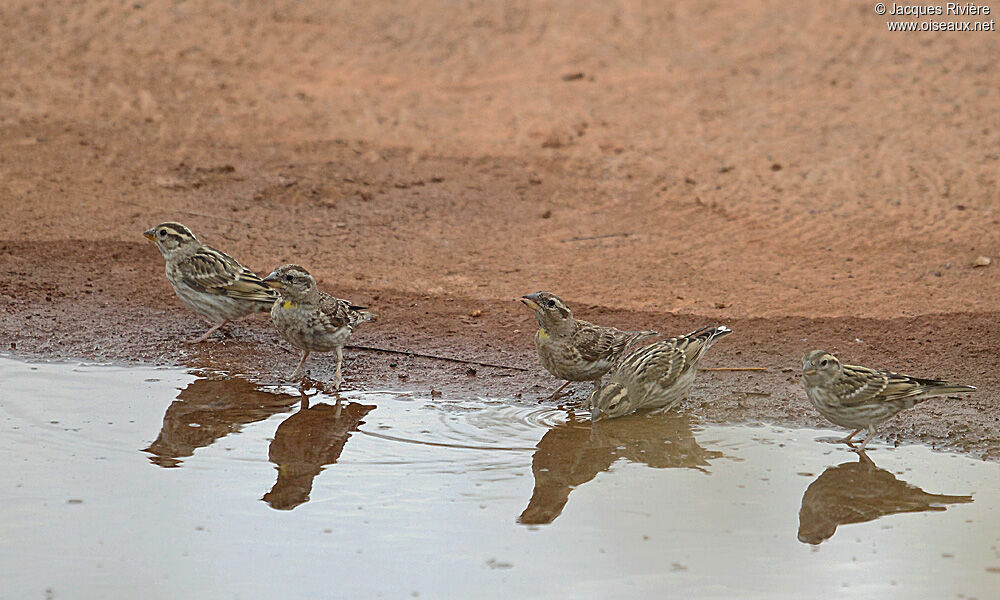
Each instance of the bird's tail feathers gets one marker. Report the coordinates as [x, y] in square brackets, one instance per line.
[262, 302]
[940, 388]
[709, 333]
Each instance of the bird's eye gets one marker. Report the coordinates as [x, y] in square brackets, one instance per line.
[288, 278]
[550, 303]
[823, 363]
[162, 233]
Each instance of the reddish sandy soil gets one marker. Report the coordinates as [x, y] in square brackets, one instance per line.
[800, 174]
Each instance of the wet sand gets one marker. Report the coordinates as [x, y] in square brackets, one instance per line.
[802, 176]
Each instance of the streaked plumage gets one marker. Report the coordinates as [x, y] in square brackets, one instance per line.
[655, 376]
[572, 349]
[860, 397]
[311, 320]
[210, 282]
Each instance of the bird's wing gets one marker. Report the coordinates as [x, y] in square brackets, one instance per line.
[214, 272]
[661, 363]
[861, 385]
[595, 342]
[338, 313]
[665, 361]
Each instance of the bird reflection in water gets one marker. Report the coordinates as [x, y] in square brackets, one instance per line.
[307, 441]
[208, 410]
[857, 492]
[573, 453]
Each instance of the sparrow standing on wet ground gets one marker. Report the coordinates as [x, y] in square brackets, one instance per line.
[859, 397]
[655, 376]
[210, 282]
[575, 350]
[311, 320]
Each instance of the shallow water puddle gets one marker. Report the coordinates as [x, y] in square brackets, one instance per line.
[125, 479]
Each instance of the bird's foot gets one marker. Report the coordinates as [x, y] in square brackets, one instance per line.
[553, 397]
[208, 333]
[556, 395]
[201, 338]
[863, 456]
[849, 439]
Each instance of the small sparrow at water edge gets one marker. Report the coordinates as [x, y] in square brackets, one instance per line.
[860, 397]
[209, 282]
[311, 320]
[658, 375]
[572, 349]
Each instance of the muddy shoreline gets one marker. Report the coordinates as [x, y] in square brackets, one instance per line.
[650, 164]
[97, 318]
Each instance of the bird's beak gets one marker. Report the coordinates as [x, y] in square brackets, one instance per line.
[595, 415]
[149, 234]
[808, 371]
[531, 301]
[272, 281]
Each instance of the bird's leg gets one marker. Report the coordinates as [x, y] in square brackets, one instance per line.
[849, 440]
[556, 394]
[570, 406]
[339, 379]
[861, 449]
[205, 335]
[298, 370]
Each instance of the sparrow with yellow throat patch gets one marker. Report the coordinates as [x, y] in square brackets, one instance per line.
[311, 320]
[572, 349]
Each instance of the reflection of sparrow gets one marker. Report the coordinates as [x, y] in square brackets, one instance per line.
[575, 350]
[209, 409]
[304, 443]
[573, 453]
[658, 375]
[857, 492]
[210, 282]
[311, 320]
[859, 397]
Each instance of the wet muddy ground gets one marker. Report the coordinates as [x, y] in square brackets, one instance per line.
[209, 485]
[800, 175]
[93, 311]
[797, 174]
